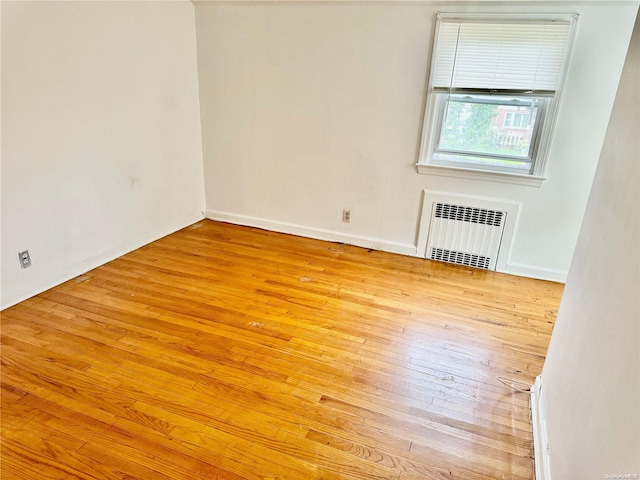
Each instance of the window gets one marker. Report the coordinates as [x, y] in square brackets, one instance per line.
[519, 119]
[493, 90]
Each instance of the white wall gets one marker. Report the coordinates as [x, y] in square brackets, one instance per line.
[311, 108]
[101, 141]
[591, 378]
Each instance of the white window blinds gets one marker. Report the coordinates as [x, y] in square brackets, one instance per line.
[492, 55]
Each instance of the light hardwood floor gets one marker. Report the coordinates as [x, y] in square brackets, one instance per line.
[225, 352]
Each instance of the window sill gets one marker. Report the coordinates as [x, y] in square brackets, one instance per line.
[484, 175]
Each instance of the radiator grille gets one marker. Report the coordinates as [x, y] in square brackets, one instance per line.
[469, 214]
[465, 234]
[460, 258]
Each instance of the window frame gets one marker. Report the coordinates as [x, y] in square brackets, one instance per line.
[545, 125]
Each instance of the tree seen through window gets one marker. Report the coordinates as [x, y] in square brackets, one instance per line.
[475, 127]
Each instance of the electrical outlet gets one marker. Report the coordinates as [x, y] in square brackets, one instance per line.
[346, 216]
[25, 259]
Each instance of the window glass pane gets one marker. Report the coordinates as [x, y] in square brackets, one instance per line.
[508, 119]
[489, 125]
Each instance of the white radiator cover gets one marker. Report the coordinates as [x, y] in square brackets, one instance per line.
[466, 229]
[465, 235]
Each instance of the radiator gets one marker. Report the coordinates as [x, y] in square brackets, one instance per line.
[465, 235]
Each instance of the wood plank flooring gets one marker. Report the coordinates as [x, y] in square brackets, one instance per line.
[226, 352]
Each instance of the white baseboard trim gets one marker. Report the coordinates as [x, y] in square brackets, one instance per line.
[531, 271]
[73, 271]
[540, 442]
[311, 232]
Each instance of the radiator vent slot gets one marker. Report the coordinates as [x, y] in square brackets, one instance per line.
[469, 214]
[460, 258]
[465, 235]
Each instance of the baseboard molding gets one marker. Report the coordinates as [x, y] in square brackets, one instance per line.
[512, 268]
[73, 271]
[538, 419]
[539, 273]
[311, 232]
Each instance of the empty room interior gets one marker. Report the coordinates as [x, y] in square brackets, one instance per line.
[325, 239]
